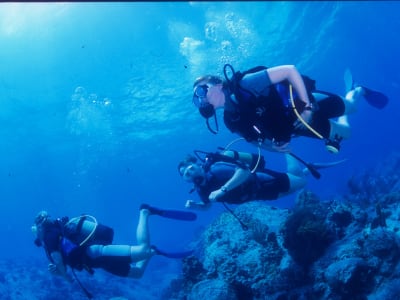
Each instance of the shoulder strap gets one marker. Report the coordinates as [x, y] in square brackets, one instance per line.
[233, 82]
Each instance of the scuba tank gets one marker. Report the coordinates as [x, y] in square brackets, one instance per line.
[85, 230]
[250, 159]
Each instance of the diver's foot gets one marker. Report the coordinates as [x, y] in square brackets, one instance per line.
[355, 93]
[359, 91]
[152, 210]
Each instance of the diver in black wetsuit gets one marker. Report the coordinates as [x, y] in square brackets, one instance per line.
[272, 105]
[238, 177]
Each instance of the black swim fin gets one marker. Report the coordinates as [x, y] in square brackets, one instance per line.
[374, 98]
[182, 254]
[171, 214]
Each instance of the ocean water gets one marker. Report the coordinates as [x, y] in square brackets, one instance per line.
[96, 105]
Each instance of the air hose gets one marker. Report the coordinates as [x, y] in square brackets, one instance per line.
[331, 145]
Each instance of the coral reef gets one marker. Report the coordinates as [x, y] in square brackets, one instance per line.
[305, 232]
[29, 279]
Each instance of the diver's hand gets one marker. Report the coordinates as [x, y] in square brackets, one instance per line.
[53, 269]
[215, 195]
[190, 203]
[275, 146]
[197, 205]
[281, 147]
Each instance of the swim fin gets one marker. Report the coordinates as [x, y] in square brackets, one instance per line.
[327, 165]
[374, 98]
[182, 254]
[171, 214]
[317, 166]
[348, 80]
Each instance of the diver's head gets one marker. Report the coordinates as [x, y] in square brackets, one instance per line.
[41, 219]
[189, 159]
[208, 95]
[190, 170]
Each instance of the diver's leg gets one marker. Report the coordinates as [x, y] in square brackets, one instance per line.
[137, 256]
[130, 253]
[293, 166]
[136, 253]
[351, 100]
[295, 183]
[142, 229]
[295, 175]
[143, 248]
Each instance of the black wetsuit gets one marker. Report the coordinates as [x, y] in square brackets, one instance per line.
[264, 185]
[257, 102]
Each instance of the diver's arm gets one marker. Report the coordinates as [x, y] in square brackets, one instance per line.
[240, 176]
[57, 267]
[290, 73]
[274, 147]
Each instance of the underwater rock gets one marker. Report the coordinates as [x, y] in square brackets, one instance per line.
[390, 290]
[305, 232]
[380, 219]
[306, 236]
[28, 278]
[381, 248]
[341, 217]
[307, 199]
[371, 185]
[349, 277]
[212, 289]
[382, 243]
[192, 269]
[246, 259]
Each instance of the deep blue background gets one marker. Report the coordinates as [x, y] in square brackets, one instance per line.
[96, 105]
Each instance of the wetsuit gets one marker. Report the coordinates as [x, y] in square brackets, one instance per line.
[257, 102]
[116, 259]
[265, 185]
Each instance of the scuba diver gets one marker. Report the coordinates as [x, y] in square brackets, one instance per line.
[237, 177]
[83, 243]
[269, 106]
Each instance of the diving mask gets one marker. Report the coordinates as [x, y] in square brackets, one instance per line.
[200, 95]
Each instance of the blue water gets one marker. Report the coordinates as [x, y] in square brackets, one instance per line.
[96, 105]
